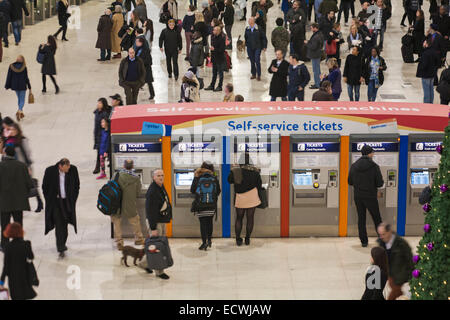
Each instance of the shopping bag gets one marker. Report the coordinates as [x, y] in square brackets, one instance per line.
[30, 98]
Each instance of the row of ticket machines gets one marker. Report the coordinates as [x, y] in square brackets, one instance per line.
[314, 178]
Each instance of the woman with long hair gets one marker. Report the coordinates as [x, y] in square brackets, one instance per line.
[63, 16]
[376, 275]
[334, 77]
[48, 66]
[149, 32]
[18, 81]
[103, 110]
[418, 33]
[373, 75]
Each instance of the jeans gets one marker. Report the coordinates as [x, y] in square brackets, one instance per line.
[294, 93]
[5, 34]
[428, 90]
[21, 98]
[272, 98]
[17, 30]
[217, 69]
[255, 61]
[316, 71]
[372, 91]
[105, 54]
[353, 88]
[193, 2]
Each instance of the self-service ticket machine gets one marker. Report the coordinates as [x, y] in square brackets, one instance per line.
[386, 147]
[264, 153]
[145, 151]
[314, 204]
[188, 154]
[423, 164]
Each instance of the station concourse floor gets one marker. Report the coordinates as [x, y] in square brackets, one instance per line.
[62, 125]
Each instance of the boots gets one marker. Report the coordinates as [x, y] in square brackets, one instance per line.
[40, 205]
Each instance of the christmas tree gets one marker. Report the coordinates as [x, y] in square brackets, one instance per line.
[432, 264]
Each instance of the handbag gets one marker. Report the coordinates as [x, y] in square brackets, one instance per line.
[330, 48]
[32, 274]
[262, 194]
[30, 98]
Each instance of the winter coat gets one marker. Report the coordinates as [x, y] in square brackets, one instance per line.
[127, 39]
[429, 63]
[444, 84]
[131, 190]
[117, 20]
[17, 78]
[353, 69]
[16, 9]
[322, 95]
[326, 25]
[98, 116]
[171, 40]
[15, 267]
[278, 84]
[251, 178]
[197, 56]
[5, 11]
[365, 177]
[218, 54]
[104, 29]
[144, 53]
[296, 16]
[141, 11]
[280, 38]
[256, 6]
[298, 77]
[62, 14]
[228, 16]
[203, 29]
[314, 46]
[15, 185]
[49, 66]
[154, 200]
[357, 39]
[419, 35]
[123, 70]
[335, 78]
[256, 39]
[202, 172]
[190, 91]
[328, 5]
[105, 142]
[298, 40]
[400, 260]
[188, 22]
[367, 70]
[50, 188]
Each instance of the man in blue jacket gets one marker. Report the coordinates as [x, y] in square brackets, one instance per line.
[255, 40]
[298, 79]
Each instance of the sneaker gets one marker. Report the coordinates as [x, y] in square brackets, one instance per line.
[102, 176]
[164, 276]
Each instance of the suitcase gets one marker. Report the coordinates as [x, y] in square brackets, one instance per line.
[158, 253]
[408, 48]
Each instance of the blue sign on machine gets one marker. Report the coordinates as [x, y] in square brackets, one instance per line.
[376, 146]
[136, 147]
[196, 147]
[425, 146]
[316, 147]
[256, 147]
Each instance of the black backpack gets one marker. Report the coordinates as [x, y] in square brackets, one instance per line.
[110, 197]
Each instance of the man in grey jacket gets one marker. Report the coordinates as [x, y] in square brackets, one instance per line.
[314, 51]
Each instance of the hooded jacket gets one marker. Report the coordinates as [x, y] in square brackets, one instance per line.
[365, 177]
[17, 78]
[196, 56]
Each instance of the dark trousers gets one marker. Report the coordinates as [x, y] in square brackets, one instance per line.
[105, 54]
[206, 228]
[63, 28]
[5, 33]
[255, 61]
[172, 59]
[131, 91]
[44, 81]
[228, 31]
[295, 94]
[60, 218]
[97, 163]
[361, 206]
[217, 69]
[445, 101]
[345, 7]
[151, 89]
[5, 218]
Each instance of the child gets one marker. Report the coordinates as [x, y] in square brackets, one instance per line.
[104, 147]
[229, 95]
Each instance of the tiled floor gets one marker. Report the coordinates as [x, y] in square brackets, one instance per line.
[62, 125]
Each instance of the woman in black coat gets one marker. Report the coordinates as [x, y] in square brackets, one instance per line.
[63, 16]
[278, 85]
[353, 69]
[103, 110]
[143, 52]
[16, 254]
[418, 33]
[48, 67]
[376, 275]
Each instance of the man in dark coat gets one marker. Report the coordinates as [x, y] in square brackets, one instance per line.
[298, 79]
[429, 62]
[171, 43]
[61, 186]
[217, 58]
[365, 177]
[442, 21]
[278, 85]
[5, 18]
[131, 76]
[13, 196]
[104, 28]
[314, 50]
[16, 18]
[255, 41]
[400, 259]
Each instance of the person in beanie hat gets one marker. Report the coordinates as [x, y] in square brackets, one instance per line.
[365, 177]
[190, 88]
[116, 100]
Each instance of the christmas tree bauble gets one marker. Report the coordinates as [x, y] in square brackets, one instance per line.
[439, 148]
[416, 259]
[427, 228]
[416, 273]
[426, 207]
[430, 246]
[443, 188]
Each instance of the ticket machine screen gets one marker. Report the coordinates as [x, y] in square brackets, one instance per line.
[303, 179]
[420, 177]
[184, 178]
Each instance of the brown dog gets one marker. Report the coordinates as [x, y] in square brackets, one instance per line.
[137, 254]
[240, 44]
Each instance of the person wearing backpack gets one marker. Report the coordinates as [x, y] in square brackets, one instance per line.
[298, 79]
[247, 181]
[206, 189]
[130, 184]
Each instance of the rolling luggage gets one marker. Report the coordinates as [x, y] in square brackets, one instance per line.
[158, 253]
[408, 48]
